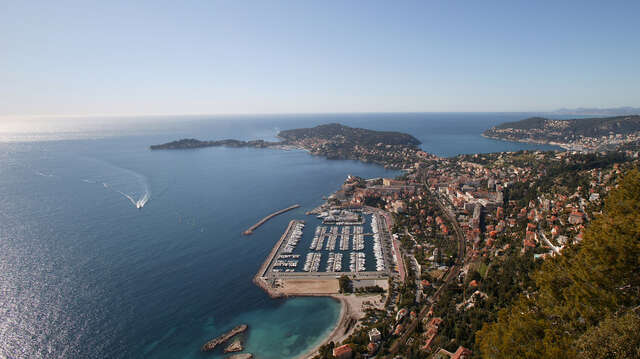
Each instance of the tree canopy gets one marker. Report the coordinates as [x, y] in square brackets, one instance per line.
[591, 281]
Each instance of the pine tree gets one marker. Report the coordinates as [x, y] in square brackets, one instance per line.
[590, 281]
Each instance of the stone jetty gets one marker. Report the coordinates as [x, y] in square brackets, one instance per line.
[213, 343]
[260, 279]
[262, 221]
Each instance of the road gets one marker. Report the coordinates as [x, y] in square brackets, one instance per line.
[547, 242]
[451, 274]
[416, 267]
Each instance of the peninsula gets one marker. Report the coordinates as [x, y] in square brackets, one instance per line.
[423, 263]
[188, 143]
[586, 134]
[333, 141]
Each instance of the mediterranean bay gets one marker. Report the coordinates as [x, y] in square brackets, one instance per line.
[108, 249]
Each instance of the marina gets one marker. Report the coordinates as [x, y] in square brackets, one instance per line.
[312, 262]
[358, 239]
[334, 262]
[314, 251]
[318, 239]
[357, 260]
[377, 245]
[344, 239]
[332, 237]
[341, 217]
[293, 237]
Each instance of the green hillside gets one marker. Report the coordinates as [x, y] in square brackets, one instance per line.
[586, 298]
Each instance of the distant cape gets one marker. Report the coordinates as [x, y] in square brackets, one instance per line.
[595, 111]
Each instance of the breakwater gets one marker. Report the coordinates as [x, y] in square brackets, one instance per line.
[260, 278]
[212, 344]
[265, 219]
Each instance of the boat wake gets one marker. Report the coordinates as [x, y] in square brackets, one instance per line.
[137, 198]
[137, 201]
[44, 174]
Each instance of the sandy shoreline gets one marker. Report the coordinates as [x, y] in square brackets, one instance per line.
[352, 309]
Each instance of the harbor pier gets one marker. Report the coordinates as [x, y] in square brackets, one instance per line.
[260, 279]
[265, 219]
[282, 274]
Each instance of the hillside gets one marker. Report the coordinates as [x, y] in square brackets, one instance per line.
[336, 132]
[579, 127]
[188, 143]
[583, 297]
[580, 134]
[333, 141]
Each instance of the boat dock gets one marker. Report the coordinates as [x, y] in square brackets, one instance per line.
[335, 249]
[262, 221]
[275, 250]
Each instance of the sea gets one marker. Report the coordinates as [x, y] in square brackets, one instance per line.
[110, 250]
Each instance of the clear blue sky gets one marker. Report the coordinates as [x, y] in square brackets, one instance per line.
[208, 57]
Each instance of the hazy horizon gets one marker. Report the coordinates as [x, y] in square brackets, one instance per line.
[73, 58]
[580, 110]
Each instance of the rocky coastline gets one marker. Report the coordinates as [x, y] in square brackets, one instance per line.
[333, 141]
[235, 346]
[191, 143]
[213, 343]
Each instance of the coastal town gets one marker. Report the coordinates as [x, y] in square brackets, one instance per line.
[463, 225]
[421, 261]
[457, 226]
[585, 135]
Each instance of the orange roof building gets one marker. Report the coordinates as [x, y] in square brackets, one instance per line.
[462, 353]
[398, 329]
[435, 322]
[343, 352]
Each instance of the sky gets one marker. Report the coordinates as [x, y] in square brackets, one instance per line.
[79, 58]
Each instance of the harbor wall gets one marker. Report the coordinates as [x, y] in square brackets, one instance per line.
[265, 219]
[259, 279]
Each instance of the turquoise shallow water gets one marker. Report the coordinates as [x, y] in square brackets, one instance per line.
[83, 273]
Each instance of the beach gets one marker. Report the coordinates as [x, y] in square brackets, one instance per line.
[80, 234]
[352, 308]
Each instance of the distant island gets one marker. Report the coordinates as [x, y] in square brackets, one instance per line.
[587, 134]
[334, 141]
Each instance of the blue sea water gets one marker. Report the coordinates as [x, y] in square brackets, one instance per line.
[86, 274]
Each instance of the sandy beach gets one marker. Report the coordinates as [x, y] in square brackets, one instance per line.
[308, 286]
[352, 308]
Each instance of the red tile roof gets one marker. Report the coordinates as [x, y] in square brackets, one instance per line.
[342, 350]
[462, 353]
